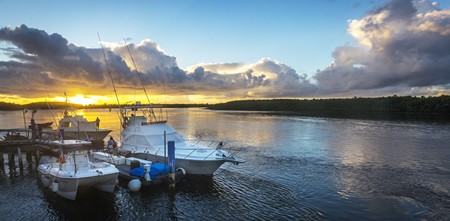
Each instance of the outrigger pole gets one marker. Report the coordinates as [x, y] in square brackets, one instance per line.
[122, 114]
[109, 70]
[140, 79]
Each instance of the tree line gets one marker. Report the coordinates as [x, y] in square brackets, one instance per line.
[391, 104]
[394, 104]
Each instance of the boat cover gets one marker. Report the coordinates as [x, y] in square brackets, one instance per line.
[156, 169]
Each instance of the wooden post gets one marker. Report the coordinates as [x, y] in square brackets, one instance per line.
[11, 159]
[28, 156]
[1, 158]
[19, 157]
[37, 157]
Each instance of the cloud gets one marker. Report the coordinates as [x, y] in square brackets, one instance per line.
[43, 61]
[265, 78]
[147, 56]
[50, 61]
[403, 46]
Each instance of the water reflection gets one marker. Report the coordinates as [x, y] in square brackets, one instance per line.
[298, 168]
[91, 204]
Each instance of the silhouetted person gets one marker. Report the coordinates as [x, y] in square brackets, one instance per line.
[97, 123]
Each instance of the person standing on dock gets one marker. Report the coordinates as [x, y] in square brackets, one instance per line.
[97, 123]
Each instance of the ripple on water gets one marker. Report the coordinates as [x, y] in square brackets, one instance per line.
[265, 199]
[396, 189]
[229, 196]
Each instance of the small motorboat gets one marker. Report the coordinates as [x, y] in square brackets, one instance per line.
[75, 170]
[78, 127]
[132, 169]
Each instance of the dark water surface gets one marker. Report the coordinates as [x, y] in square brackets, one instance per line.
[298, 168]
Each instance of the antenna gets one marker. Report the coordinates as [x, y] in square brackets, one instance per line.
[140, 79]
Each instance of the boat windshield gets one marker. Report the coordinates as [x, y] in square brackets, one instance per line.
[157, 140]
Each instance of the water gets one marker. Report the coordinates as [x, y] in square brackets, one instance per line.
[298, 168]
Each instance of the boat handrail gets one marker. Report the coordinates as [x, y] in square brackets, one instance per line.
[189, 154]
[158, 150]
[220, 144]
[193, 150]
[210, 154]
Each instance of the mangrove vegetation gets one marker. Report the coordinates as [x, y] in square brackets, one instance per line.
[392, 104]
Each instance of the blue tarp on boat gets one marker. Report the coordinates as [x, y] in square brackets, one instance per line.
[156, 169]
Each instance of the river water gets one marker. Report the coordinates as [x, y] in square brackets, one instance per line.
[298, 168]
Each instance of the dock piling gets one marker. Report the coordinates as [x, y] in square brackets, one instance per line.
[28, 156]
[19, 156]
[37, 157]
[11, 159]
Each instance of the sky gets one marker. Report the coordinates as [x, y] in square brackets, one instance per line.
[216, 51]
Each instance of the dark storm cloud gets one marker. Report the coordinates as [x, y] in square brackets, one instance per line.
[41, 60]
[38, 42]
[406, 47]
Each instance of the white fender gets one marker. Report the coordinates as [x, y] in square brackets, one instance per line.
[134, 185]
[55, 186]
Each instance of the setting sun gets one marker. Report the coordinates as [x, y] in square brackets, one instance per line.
[81, 99]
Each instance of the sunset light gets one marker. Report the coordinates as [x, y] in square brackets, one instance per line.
[225, 110]
[290, 61]
[81, 99]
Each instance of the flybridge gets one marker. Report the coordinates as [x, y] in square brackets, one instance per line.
[138, 106]
[129, 114]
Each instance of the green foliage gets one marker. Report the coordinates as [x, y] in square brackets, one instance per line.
[9, 106]
[396, 104]
[392, 104]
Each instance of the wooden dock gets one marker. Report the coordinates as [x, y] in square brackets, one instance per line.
[15, 145]
[33, 145]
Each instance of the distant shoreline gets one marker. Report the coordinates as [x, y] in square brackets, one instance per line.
[393, 107]
[387, 108]
[61, 105]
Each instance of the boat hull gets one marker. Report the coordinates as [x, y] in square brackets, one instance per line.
[95, 135]
[192, 166]
[67, 187]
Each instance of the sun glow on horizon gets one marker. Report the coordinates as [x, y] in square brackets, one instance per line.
[81, 99]
[123, 100]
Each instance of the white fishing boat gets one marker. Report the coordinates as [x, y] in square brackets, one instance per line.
[145, 137]
[76, 126]
[75, 170]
